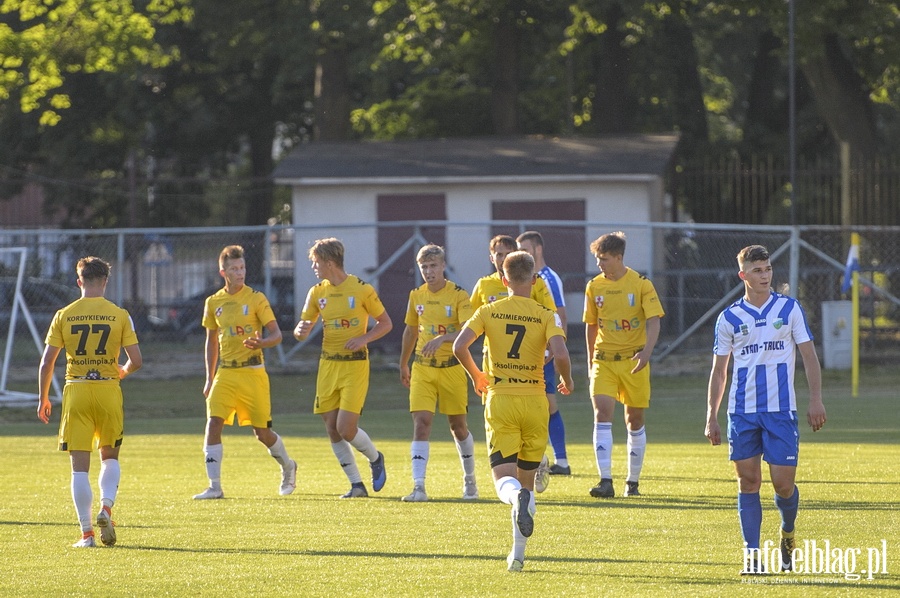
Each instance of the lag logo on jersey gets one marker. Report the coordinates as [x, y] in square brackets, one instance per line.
[420, 309]
[322, 303]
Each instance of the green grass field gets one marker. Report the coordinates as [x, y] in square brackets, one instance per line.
[681, 538]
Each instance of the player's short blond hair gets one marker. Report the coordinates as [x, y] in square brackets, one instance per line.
[610, 243]
[92, 268]
[518, 267]
[328, 250]
[430, 251]
[231, 252]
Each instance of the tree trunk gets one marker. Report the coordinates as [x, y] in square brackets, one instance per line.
[614, 110]
[689, 110]
[505, 90]
[842, 97]
[332, 96]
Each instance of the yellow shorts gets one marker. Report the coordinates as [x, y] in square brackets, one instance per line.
[614, 379]
[443, 388]
[243, 392]
[517, 424]
[91, 416]
[341, 385]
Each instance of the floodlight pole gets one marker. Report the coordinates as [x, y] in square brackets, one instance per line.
[792, 112]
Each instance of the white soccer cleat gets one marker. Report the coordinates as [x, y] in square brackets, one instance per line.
[210, 493]
[417, 495]
[107, 526]
[470, 490]
[288, 480]
[542, 476]
[513, 564]
[86, 541]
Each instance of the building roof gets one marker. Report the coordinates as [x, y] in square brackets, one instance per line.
[485, 159]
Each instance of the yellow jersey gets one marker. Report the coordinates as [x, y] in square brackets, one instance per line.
[237, 317]
[92, 330]
[345, 311]
[518, 330]
[620, 309]
[435, 314]
[490, 288]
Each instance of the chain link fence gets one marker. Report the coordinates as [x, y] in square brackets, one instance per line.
[162, 276]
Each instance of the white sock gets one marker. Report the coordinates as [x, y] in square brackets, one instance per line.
[279, 453]
[419, 451]
[82, 496]
[637, 447]
[110, 473]
[603, 443]
[507, 489]
[213, 455]
[466, 450]
[363, 444]
[344, 454]
[519, 541]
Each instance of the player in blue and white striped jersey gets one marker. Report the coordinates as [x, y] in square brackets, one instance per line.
[763, 331]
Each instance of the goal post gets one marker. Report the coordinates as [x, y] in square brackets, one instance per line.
[20, 308]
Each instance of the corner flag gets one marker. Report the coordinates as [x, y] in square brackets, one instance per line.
[852, 265]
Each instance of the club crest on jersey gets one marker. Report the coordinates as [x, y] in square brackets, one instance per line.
[778, 323]
[322, 303]
[245, 309]
[631, 299]
[599, 300]
[449, 310]
[351, 301]
[492, 298]
[420, 309]
[745, 330]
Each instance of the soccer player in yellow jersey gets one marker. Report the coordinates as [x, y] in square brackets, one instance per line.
[621, 317]
[516, 410]
[490, 288]
[345, 303]
[236, 380]
[93, 331]
[434, 316]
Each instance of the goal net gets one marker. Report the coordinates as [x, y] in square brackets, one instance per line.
[15, 306]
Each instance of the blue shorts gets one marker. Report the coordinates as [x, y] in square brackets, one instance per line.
[550, 378]
[774, 435]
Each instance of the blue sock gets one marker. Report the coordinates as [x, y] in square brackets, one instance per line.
[788, 509]
[558, 436]
[750, 516]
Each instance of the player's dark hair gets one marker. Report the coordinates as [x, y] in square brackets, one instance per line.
[231, 252]
[610, 243]
[92, 268]
[430, 251]
[533, 236]
[505, 240]
[752, 253]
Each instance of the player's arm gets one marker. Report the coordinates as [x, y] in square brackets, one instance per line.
[432, 346]
[815, 413]
[133, 362]
[561, 311]
[563, 364]
[383, 325]
[590, 337]
[273, 337]
[45, 381]
[407, 344]
[461, 350]
[717, 378]
[643, 356]
[211, 358]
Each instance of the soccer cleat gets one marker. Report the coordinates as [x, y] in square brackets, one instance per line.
[521, 509]
[87, 541]
[107, 527]
[470, 490]
[513, 564]
[631, 489]
[604, 489]
[556, 469]
[379, 475]
[357, 490]
[542, 476]
[288, 480]
[210, 493]
[417, 495]
[787, 549]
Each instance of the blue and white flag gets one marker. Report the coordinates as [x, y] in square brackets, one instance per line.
[852, 264]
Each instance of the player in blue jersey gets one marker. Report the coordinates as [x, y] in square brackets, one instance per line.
[532, 242]
[763, 330]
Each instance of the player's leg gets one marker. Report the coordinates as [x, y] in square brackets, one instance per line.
[256, 406]
[344, 454]
[454, 403]
[213, 452]
[353, 392]
[781, 445]
[603, 386]
[556, 427]
[636, 447]
[110, 475]
[419, 454]
[82, 496]
[76, 435]
[745, 448]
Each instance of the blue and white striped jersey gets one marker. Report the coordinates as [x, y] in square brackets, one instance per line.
[763, 343]
[554, 283]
